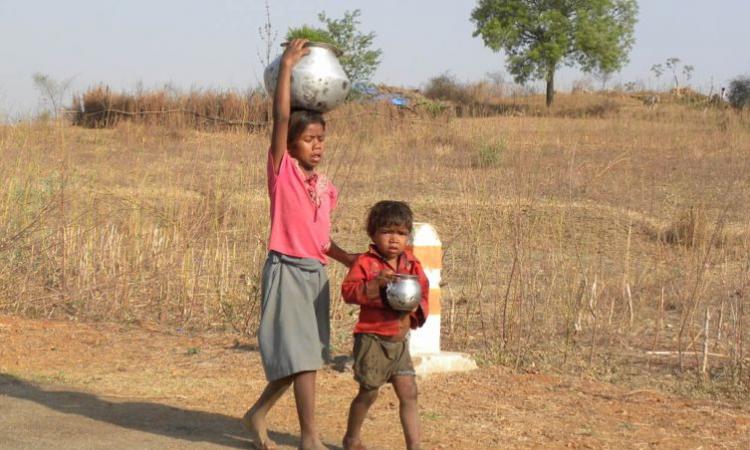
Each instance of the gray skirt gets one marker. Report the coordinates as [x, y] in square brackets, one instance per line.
[294, 332]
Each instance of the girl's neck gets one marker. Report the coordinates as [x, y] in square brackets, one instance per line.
[306, 171]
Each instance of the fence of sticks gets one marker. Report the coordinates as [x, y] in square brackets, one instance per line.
[100, 107]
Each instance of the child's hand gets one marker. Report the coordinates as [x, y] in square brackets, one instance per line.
[385, 277]
[295, 50]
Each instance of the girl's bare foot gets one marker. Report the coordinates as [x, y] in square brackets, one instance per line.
[353, 444]
[311, 444]
[256, 424]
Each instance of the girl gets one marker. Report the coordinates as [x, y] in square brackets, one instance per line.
[294, 325]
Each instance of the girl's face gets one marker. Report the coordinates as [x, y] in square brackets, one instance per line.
[309, 147]
[391, 241]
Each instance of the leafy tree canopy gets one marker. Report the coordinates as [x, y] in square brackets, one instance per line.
[538, 36]
[359, 59]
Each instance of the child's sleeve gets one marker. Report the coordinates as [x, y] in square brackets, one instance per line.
[419, 316]
[361, 288]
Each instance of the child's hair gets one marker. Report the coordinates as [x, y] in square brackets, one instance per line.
[387, 213]
[299, 120]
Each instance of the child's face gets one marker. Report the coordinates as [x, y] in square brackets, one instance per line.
[308, 148]
[391, 240]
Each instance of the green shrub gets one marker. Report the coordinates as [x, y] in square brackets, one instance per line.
[434, 109]
[488, 154]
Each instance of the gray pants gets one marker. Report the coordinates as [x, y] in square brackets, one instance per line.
[294, 332]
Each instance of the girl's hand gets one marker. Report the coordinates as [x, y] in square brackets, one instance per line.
[350, 259]
[335, 252]
[295, 50]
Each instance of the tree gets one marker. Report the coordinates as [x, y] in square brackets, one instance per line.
[51, 90]
[658, 71]
[497, 78]
[359, 60]
[539, 36]
[268, 36]
[603, 76]
[687, 71]
[674, 65]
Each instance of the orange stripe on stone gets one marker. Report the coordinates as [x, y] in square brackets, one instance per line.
[431, 257]
[434, 301]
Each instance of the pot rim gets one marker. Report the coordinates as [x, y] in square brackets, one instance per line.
[336, 51]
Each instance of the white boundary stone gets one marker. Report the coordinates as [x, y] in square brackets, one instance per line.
[424, 343]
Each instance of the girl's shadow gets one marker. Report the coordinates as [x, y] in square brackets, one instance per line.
[189, 425]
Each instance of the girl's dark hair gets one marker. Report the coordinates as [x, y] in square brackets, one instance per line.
[387, 213]
[299, 120]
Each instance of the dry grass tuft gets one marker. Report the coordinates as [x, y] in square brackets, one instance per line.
[689, 228]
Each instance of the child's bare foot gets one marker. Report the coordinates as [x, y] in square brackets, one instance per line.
[353, 444]
[256, 425]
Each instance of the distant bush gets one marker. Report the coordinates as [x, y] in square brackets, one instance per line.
[480, 98]
[445, 87]
[739, 92]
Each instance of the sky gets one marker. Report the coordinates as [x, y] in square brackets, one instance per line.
[216, 44]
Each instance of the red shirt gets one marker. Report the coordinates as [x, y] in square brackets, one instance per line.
[361, 288]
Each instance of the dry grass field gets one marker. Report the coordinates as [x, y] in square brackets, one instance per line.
[608, 238]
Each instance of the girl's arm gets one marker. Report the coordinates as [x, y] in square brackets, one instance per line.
[335, 252]
[282, 99]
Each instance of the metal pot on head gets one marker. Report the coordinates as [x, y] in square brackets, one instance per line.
[319, 82]
[404, 293]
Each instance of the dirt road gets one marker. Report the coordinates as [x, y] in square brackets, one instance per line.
[65, 385]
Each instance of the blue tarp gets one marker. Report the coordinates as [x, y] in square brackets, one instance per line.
[374, 93]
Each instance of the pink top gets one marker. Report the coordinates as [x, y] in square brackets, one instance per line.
[301, 209]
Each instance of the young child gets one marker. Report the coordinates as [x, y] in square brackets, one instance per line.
[381, 348]
[294, 325]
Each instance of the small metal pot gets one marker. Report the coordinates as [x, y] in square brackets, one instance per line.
[405, 293]
[318, 80]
